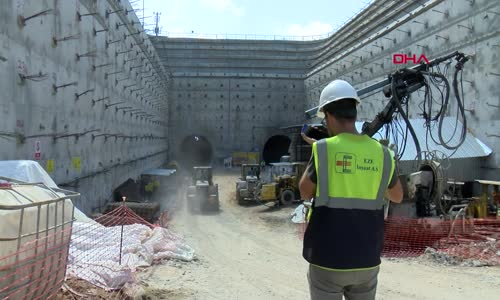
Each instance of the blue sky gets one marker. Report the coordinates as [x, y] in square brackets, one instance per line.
[271, 17]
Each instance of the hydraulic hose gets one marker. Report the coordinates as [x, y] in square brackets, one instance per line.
[461, 109]
[407, 121]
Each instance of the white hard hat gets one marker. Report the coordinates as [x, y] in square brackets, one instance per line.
[334, 91]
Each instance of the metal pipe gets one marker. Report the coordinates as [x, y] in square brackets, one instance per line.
[35, 77]
[121, 234]
[113, 104]
[108, 13]
[112, 42]
[135, 113]
[442, 37]
[100, 30]
[83, 93]
[466, 27]
[407, 32]
[131, 110]
[446, 14]
[389, 39]
[66, 38]
[64, 136]
[119, 25]
[86, 54]
[23, 20]
[99, 100]
[123, 107]
[79, 16]
[112, 73]
[94, 67]
[56, 87]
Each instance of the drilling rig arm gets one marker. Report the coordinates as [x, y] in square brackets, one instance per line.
[386, 83]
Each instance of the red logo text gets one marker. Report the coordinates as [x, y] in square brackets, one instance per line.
[399, 59]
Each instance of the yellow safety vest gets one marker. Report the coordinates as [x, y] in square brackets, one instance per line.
[351, 174]
[345, 230]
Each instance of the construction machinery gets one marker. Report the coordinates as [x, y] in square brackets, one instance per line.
[202, 194]
[248, 184]
[279, 184]
[431, 193]
[284, 188]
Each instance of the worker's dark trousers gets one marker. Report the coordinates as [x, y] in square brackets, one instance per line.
[332, 285]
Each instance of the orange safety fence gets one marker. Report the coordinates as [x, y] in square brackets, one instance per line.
[462, 240]
[86, 260]
[101, 260]
[37, 269]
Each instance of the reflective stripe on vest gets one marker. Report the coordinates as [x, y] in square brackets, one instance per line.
[348, 203]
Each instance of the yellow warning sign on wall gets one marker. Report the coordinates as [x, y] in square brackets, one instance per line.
[50, 166]
[77, 163]
[245, 158]
[253, 157]
[239, 158]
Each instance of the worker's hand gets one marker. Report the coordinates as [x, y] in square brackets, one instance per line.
[384, 142]
[392, 147]
[308, 140]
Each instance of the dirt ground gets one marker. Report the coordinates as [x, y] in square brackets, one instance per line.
[254, 252]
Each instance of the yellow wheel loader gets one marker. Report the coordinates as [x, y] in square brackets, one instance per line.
[284, 187]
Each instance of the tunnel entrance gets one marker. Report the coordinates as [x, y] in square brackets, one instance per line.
[195, 150]
[275, 147]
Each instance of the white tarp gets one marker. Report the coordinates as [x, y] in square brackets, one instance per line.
[299, 214]
[30, 171]
[94, 253]
[27, 171]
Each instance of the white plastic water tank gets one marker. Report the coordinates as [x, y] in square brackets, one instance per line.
[35, 233]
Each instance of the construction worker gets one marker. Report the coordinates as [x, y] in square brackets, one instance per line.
[347, 177]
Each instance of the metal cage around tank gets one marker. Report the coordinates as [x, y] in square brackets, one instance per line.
[34, 237]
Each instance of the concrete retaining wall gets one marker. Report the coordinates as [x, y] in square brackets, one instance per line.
[59, 94]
